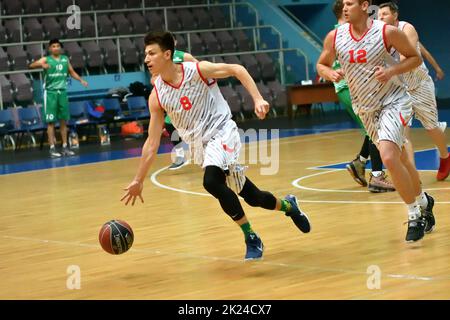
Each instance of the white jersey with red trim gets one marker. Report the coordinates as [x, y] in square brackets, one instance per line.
[196, 106]
[359, 59]
[413, 78]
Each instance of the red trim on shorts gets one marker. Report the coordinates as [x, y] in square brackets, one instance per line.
[403, 120]
[203, 78]
[362, 37]
[182, 80]
[157, 97]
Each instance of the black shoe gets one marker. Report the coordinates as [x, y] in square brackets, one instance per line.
[416, 228]
[255, 247]
[298, 216]
[54, 153]
[428, 215]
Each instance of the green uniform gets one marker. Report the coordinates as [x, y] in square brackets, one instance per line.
[56, 103]
[178, 57]
[343, 93]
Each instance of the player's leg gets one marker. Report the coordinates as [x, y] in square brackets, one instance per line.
[378, 181]
[214, 181]
[64, 116]
[425, 201]
[408, 146]
[264, 199]
[177, 143]
[357, 167]
[50, 113]
[387, 128]
[425, 108]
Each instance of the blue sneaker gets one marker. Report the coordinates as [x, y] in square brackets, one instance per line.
[298, 216]
[255, 247]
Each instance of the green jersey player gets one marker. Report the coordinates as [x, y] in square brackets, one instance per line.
[57, 68]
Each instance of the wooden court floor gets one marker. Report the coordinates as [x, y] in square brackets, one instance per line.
[187, 248]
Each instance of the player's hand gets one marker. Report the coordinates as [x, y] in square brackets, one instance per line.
[45, 65]
[336, 75]
[440, 74]
[383, 75]
[84, 83]
[133, 191]
[261, 108]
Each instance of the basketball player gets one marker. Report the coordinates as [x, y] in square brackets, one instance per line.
[180, 161]
[192, 99]
[380, 99]
[378, 181]
[421, 88]
[56, 104]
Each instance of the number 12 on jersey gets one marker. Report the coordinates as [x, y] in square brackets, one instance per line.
[359, 57]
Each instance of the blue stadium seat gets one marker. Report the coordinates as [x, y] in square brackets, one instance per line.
[138, 107]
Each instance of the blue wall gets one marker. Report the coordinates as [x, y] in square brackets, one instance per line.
[318, 17]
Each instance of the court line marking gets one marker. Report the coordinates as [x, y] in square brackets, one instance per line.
[155, 181]
[234, 260]
[296, 184]
[316, 136]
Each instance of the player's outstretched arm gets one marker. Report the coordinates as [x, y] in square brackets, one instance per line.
[223, 70]
[429, 57]
[411, 59]
[149, 150]
[327, 58]
[76, 76]
[41, 63]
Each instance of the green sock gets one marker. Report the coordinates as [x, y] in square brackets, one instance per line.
[285, 205]
[247, 229]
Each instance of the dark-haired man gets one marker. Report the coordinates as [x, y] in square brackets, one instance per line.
[189, 93]
[56, 104]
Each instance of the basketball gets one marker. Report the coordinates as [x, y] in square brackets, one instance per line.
[116, 237]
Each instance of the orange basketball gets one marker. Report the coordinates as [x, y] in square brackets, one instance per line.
[116, 237]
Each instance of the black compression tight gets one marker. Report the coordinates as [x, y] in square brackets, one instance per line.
[214, 181]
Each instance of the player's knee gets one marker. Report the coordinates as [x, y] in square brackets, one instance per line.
[214, 180]
[252, 200]
[390, 159]
[210, 184]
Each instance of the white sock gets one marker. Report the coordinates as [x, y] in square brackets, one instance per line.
[376, 174]
[52, 146]
[422, 200]
[362, 159]
[64, 145]
[413, 210]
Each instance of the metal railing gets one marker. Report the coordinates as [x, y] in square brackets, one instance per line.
[312, 34]
[232, 16]
[256, 31]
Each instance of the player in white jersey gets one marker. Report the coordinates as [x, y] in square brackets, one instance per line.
[380, 98]
[422, 91]
[191, 97]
